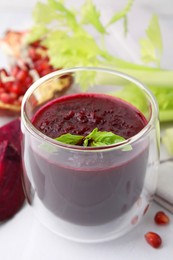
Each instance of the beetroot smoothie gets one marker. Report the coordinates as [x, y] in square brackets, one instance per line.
[89, 187]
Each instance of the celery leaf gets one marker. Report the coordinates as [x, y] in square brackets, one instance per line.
[70, 43]
[90, 15]
[122, 15]
[44, 13]
[151, 46]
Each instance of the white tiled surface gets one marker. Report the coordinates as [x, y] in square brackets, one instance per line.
[23, 238]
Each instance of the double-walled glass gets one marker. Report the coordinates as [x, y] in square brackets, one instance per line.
[90, 194]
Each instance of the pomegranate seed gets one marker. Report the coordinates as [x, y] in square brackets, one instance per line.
[33, 54]
[22, 75]
[35, 44]
[161, 218]
[6, 98]
[41, 65]
[28, 81]
[1, 90]
[46, 59]
[45, 72]
[8, 85]
[18, 88]
[15, 70]
[12, 96]
[15, 88]
[153, 239]
[1, 84]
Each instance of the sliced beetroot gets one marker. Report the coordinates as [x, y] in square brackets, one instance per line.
[11, 191]
[11, 133]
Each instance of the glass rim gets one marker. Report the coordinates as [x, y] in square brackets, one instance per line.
[35, 132]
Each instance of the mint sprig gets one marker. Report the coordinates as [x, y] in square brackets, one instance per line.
[94, 139]
[101, 138]
[70, 139]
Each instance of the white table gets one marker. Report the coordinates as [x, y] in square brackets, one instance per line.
[23, 237]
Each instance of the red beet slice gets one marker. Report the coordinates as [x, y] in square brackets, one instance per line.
[11, 133]
[11, 190]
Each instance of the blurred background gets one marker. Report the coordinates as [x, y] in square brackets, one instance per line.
[17, 15]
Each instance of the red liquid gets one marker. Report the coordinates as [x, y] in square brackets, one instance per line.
[85, 188]
[81, 113]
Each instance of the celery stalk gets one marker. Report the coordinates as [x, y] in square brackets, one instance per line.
[167, 140]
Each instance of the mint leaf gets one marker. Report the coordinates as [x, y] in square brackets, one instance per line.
[102, 138]
[95, 138]
[70, 139]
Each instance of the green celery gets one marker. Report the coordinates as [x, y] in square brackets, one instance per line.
[167, 140]
[152, 46]
[66, 35]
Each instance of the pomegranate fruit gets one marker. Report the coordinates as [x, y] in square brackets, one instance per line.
[27, 66]
[30, 62]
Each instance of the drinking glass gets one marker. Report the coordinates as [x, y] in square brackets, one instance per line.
[90, 194]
